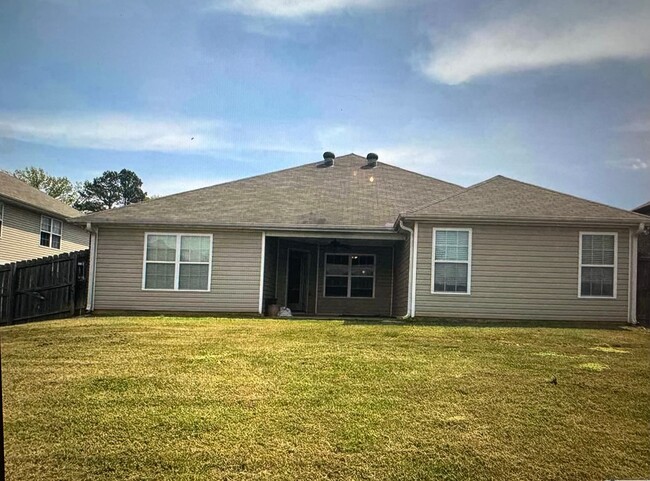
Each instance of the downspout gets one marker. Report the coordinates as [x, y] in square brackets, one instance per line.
[92, 268]
[408, 298]
[633, 272]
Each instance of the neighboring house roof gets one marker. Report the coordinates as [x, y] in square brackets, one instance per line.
[16, 190]
[501, 198]
[347, 194]
[643, 209]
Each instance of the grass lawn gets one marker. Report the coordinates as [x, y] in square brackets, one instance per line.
[164, 398]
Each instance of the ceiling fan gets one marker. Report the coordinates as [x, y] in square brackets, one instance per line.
[335, 245]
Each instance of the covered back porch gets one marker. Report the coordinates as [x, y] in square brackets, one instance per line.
[338, 275]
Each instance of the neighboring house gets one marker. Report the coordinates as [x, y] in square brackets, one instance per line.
[644, 240]
[356, 237]
[33, 224]
[643, 266]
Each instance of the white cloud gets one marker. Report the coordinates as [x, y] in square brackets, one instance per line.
[114, 131]
[166, 186]
[638, 127]
[631, 163]
[547, 36]
[293, 9]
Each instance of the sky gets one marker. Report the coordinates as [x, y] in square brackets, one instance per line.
[197, 92]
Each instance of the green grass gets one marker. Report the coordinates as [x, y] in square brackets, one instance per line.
[164, 398]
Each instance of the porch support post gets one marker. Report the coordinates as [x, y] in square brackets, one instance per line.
[262, 263]
[415, 269]
[317, 278]
[634, 263]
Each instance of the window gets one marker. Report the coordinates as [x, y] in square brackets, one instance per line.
[349, 275]
[2, 216]
[178, 262]
[452, 256]
[597, 276]
[51, 231]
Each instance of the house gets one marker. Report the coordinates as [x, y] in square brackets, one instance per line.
[33, 224]
[644, 240]
[352, 236]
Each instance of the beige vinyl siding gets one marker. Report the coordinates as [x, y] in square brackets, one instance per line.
[380, 305]
[401, 278]
[21, 236]
[522, 273]
[235, 274]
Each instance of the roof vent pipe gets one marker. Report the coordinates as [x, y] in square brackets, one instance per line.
[328, 159]
[372, 159]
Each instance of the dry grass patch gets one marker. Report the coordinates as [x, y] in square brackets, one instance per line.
[126, 398]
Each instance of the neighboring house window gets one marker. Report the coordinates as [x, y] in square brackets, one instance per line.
[2, 216]
[597, 264]
[179, 262]
[349, 275]
[51, 232]
[452, 258]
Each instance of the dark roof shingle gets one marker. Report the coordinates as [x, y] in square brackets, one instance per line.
[345, 194]
[643, 209]
[509, 199]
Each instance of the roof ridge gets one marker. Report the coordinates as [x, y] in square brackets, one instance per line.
[44, 196]
[465, 191]
[593, 202]
[642, 206]
[295, 167]
[509, 179]
[417, 173]
[206, 187]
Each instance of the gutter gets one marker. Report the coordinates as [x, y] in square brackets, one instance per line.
[411, 263]
[92, 269]
[35, 208]
[585, 222]
[250, 226]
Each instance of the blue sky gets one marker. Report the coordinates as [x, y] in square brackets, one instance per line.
[191, 93]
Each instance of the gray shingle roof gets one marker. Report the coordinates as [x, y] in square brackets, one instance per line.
[643, 209]
[15, 189]
[345, 194]
[509, 199]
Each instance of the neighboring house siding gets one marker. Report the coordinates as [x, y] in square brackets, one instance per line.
[522, 273]
[21, 234]
[401, 278]
[235, 276]
[380, 305]
[644, 244]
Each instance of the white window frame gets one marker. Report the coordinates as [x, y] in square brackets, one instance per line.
[468, 261]
[51, 232]
[581, 265]
[2, 218]
[349, 275]
[176, 262]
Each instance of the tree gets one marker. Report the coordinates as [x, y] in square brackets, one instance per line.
[111, 189]
[58, 187]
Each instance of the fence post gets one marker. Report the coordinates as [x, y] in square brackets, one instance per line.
[11, 285]
[73, 287]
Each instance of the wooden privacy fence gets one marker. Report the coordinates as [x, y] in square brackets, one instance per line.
[643, 290]
[48, 287]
